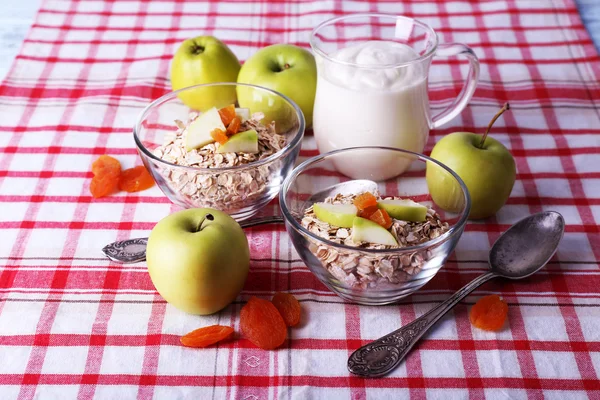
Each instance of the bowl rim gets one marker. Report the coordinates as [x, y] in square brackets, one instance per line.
[289, 218]
[171, 95]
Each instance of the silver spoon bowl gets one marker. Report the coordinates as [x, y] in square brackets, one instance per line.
[518, 253]
[134, 250]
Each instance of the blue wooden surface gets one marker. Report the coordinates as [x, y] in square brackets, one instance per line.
[16, 18]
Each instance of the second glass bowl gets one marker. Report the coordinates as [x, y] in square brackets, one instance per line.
[239, 190]
[372, 276]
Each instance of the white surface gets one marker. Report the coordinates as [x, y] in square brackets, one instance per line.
[15, 19]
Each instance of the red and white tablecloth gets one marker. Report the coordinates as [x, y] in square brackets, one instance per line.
[74, 325]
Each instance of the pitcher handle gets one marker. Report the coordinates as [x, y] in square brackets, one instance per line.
[457, 49]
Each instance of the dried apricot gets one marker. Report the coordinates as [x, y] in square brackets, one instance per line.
[262, 324]
[106, 166]
[367, 212]
[381, 217]
[219, 136]
[489, 313]
[107, 171]
[288, 307]
[227, 114]
[135, 179]
[234, 126]
[206, 336]
[365, 200]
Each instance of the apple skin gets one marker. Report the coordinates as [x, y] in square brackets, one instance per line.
[287, 69]
[199, 272]
[204, 59]
[489, 173]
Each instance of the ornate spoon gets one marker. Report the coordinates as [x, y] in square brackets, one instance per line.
[520, 252]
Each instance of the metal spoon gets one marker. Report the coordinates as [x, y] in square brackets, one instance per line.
[520, 252]
[134, 250]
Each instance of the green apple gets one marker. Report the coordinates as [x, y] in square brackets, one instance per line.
[198, 259]
[287, 69]
[364, 230]
[243, 114]
[204, 59]
[198, 132]
[243, 142]
[404, 209]
[483, 163]
[341, 215]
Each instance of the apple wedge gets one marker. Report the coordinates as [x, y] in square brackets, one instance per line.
[364, 230]
[199, 130]
[243, 114]
[341, 215]
[243, 142]
[404, 209]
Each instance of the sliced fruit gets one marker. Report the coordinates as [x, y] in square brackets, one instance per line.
[199, 130]
[206, 336]
[367, 212]
[381, 218]
[243, 142]
[219, 136]
[404, 209]
[227, 114]
[365, 200]
[341, 215]
[234, 126]
[243, 113]
[364, 230]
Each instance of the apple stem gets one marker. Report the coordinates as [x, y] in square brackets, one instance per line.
[286, 66]
[504, 108]
[209, 217]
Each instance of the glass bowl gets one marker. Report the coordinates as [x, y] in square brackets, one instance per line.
[373, 276]
[239, 190]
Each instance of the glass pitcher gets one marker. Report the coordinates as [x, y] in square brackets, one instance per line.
[372, 87]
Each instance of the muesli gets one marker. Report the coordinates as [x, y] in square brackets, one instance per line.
[361, 270]
[221, 190]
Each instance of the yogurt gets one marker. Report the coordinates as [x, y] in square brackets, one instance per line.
[360, 103]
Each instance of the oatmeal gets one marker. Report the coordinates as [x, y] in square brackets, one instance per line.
[225, 191]
[362, 270]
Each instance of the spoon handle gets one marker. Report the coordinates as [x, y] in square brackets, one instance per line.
[134, 250]
[384, 354]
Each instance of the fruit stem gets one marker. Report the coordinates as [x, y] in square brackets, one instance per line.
[209, 217]
[286, 66]
[504, 108]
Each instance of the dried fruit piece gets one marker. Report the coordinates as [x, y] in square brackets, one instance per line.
[234, 126]
[367, 212]
[136, 179]
[489, 313]
[365, 200]
[219, 136]
[227, 114]
[288, 307]
[106, 166]
[206, 336]
[262, 324]
[107, 171]
[382, 218]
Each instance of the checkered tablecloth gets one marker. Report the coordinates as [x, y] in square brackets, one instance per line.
[74, 325]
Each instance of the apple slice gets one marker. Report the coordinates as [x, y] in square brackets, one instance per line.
[198, 132]
[404, 209]
[243, 113]
[243, 142]
[341, 215]
[364, 230]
